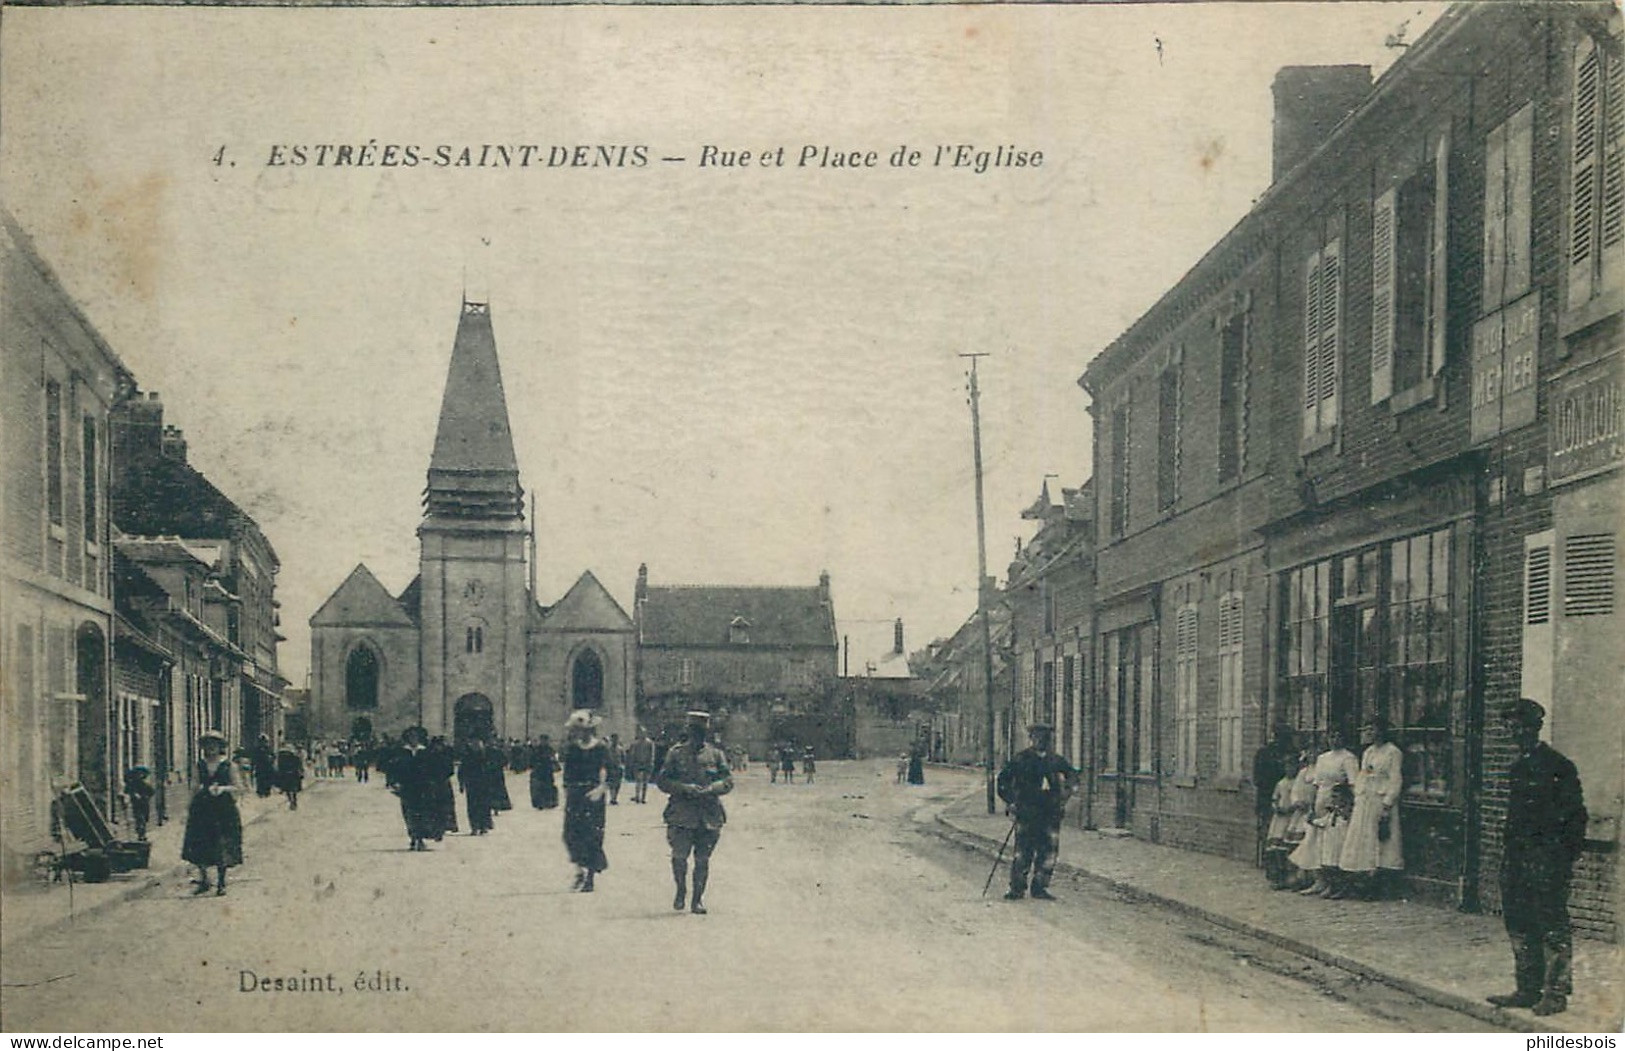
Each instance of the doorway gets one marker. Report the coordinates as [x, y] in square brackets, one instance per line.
[472, 719]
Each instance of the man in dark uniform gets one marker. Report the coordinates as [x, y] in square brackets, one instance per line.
[1036, 783]
[695, 775]
[1540, 841]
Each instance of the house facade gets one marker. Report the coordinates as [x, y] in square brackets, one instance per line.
[1364, 458]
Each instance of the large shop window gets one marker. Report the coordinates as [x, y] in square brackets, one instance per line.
[1375, 630]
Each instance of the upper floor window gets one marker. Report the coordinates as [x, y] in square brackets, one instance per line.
[1231, 684]
[1508, 161]
[1596, 239]
[1322, 337]
[53, 451]
[1408, 231]
[474, 639]
[1232, 393]
[1119, 469]
[89, 479]
[1168, 426]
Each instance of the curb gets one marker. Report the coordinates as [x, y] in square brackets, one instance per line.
[1438, 997]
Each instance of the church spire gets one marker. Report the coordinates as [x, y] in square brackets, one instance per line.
[473, 472]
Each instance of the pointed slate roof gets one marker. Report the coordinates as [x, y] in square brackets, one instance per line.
[473, 472]
[360, 600]
[588, 605]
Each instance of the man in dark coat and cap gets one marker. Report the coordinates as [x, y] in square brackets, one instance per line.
[1540, 842]
[1037, 783]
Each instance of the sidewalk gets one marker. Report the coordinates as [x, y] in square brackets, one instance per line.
[1446, 957]
[40, 906]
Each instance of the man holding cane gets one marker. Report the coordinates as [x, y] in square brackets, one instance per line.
[1036, 783]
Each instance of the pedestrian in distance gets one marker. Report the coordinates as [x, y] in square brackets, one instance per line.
[695, 777]
[412, 774]
[214, 828]
[902, 767]
[809, 764]
[586, 760]
[290, 774]
[544, 792]
[641, 760]
[474, 781]
[440, 760]
[916, 765]
[496, 777]
[1541, 839]
[1036, 783]
[263, 760]
[616, 770]
[1373, 857]
[139, 791]
[363, 761]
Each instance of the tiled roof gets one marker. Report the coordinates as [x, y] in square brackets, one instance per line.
[702, 616]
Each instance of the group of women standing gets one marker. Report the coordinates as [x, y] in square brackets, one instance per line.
[1335, 819]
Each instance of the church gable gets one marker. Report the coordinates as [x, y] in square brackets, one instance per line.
[360, 600]
[587, 606]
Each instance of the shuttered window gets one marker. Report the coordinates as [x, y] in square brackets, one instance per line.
[1231, 633]
[1168, 427]
[1185, 690]
[1382, 297]
[1438, 282]
[1596, 236]
[1588, 575]
[1232, 395]
[1119, 469]
[1322, 314]
[1537, 602]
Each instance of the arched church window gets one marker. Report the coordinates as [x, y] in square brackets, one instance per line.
[361, 678]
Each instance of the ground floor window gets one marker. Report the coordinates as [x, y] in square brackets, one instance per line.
[1376, 630]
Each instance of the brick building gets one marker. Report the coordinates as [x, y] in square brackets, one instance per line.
[1364, 457]
[58, 382]
[763, 660]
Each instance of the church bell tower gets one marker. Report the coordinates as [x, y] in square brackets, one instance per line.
[475, 602]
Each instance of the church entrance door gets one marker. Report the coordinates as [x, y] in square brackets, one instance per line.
[472, 718]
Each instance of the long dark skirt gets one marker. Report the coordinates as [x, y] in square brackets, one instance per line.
[445, 803]
[498, 789]
[214, 830]
[916, 771]
[584, 828]
[422, 815]
[544, 794]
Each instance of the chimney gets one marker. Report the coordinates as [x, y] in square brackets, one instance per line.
[823, 586]
[174, 444]
[1309, 103]
[897, 636]
[642, 591]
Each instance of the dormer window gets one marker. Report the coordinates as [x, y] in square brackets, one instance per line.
[739, 631]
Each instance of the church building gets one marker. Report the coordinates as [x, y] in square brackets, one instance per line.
[466, 649]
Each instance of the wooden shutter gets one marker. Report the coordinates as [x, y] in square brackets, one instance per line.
[1439, 261]
[1588, 575]
[1331, 316]
[1583, 171]
[1311, 341]
[1611, 225]
[1520, 139]
[1496, 177]
[1382, 298]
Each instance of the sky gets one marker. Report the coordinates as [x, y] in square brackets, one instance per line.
[737, 375]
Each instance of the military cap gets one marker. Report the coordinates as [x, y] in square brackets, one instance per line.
[1524, 712]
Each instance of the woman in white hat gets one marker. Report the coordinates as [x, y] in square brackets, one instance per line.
[585, 762]
[214, 829]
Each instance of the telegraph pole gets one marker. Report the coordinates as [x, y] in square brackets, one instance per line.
[981, 574]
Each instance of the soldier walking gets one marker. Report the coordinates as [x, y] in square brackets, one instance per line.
[695, 775]
[1541, 840]
[1037, 783]
[641, 759]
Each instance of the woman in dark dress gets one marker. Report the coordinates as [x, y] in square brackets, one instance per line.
[496, 777]
[214, 829]
[442, 768]
[412, 776]
[290, 775]
[474, 780]
[585, 760]
[544, 793]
